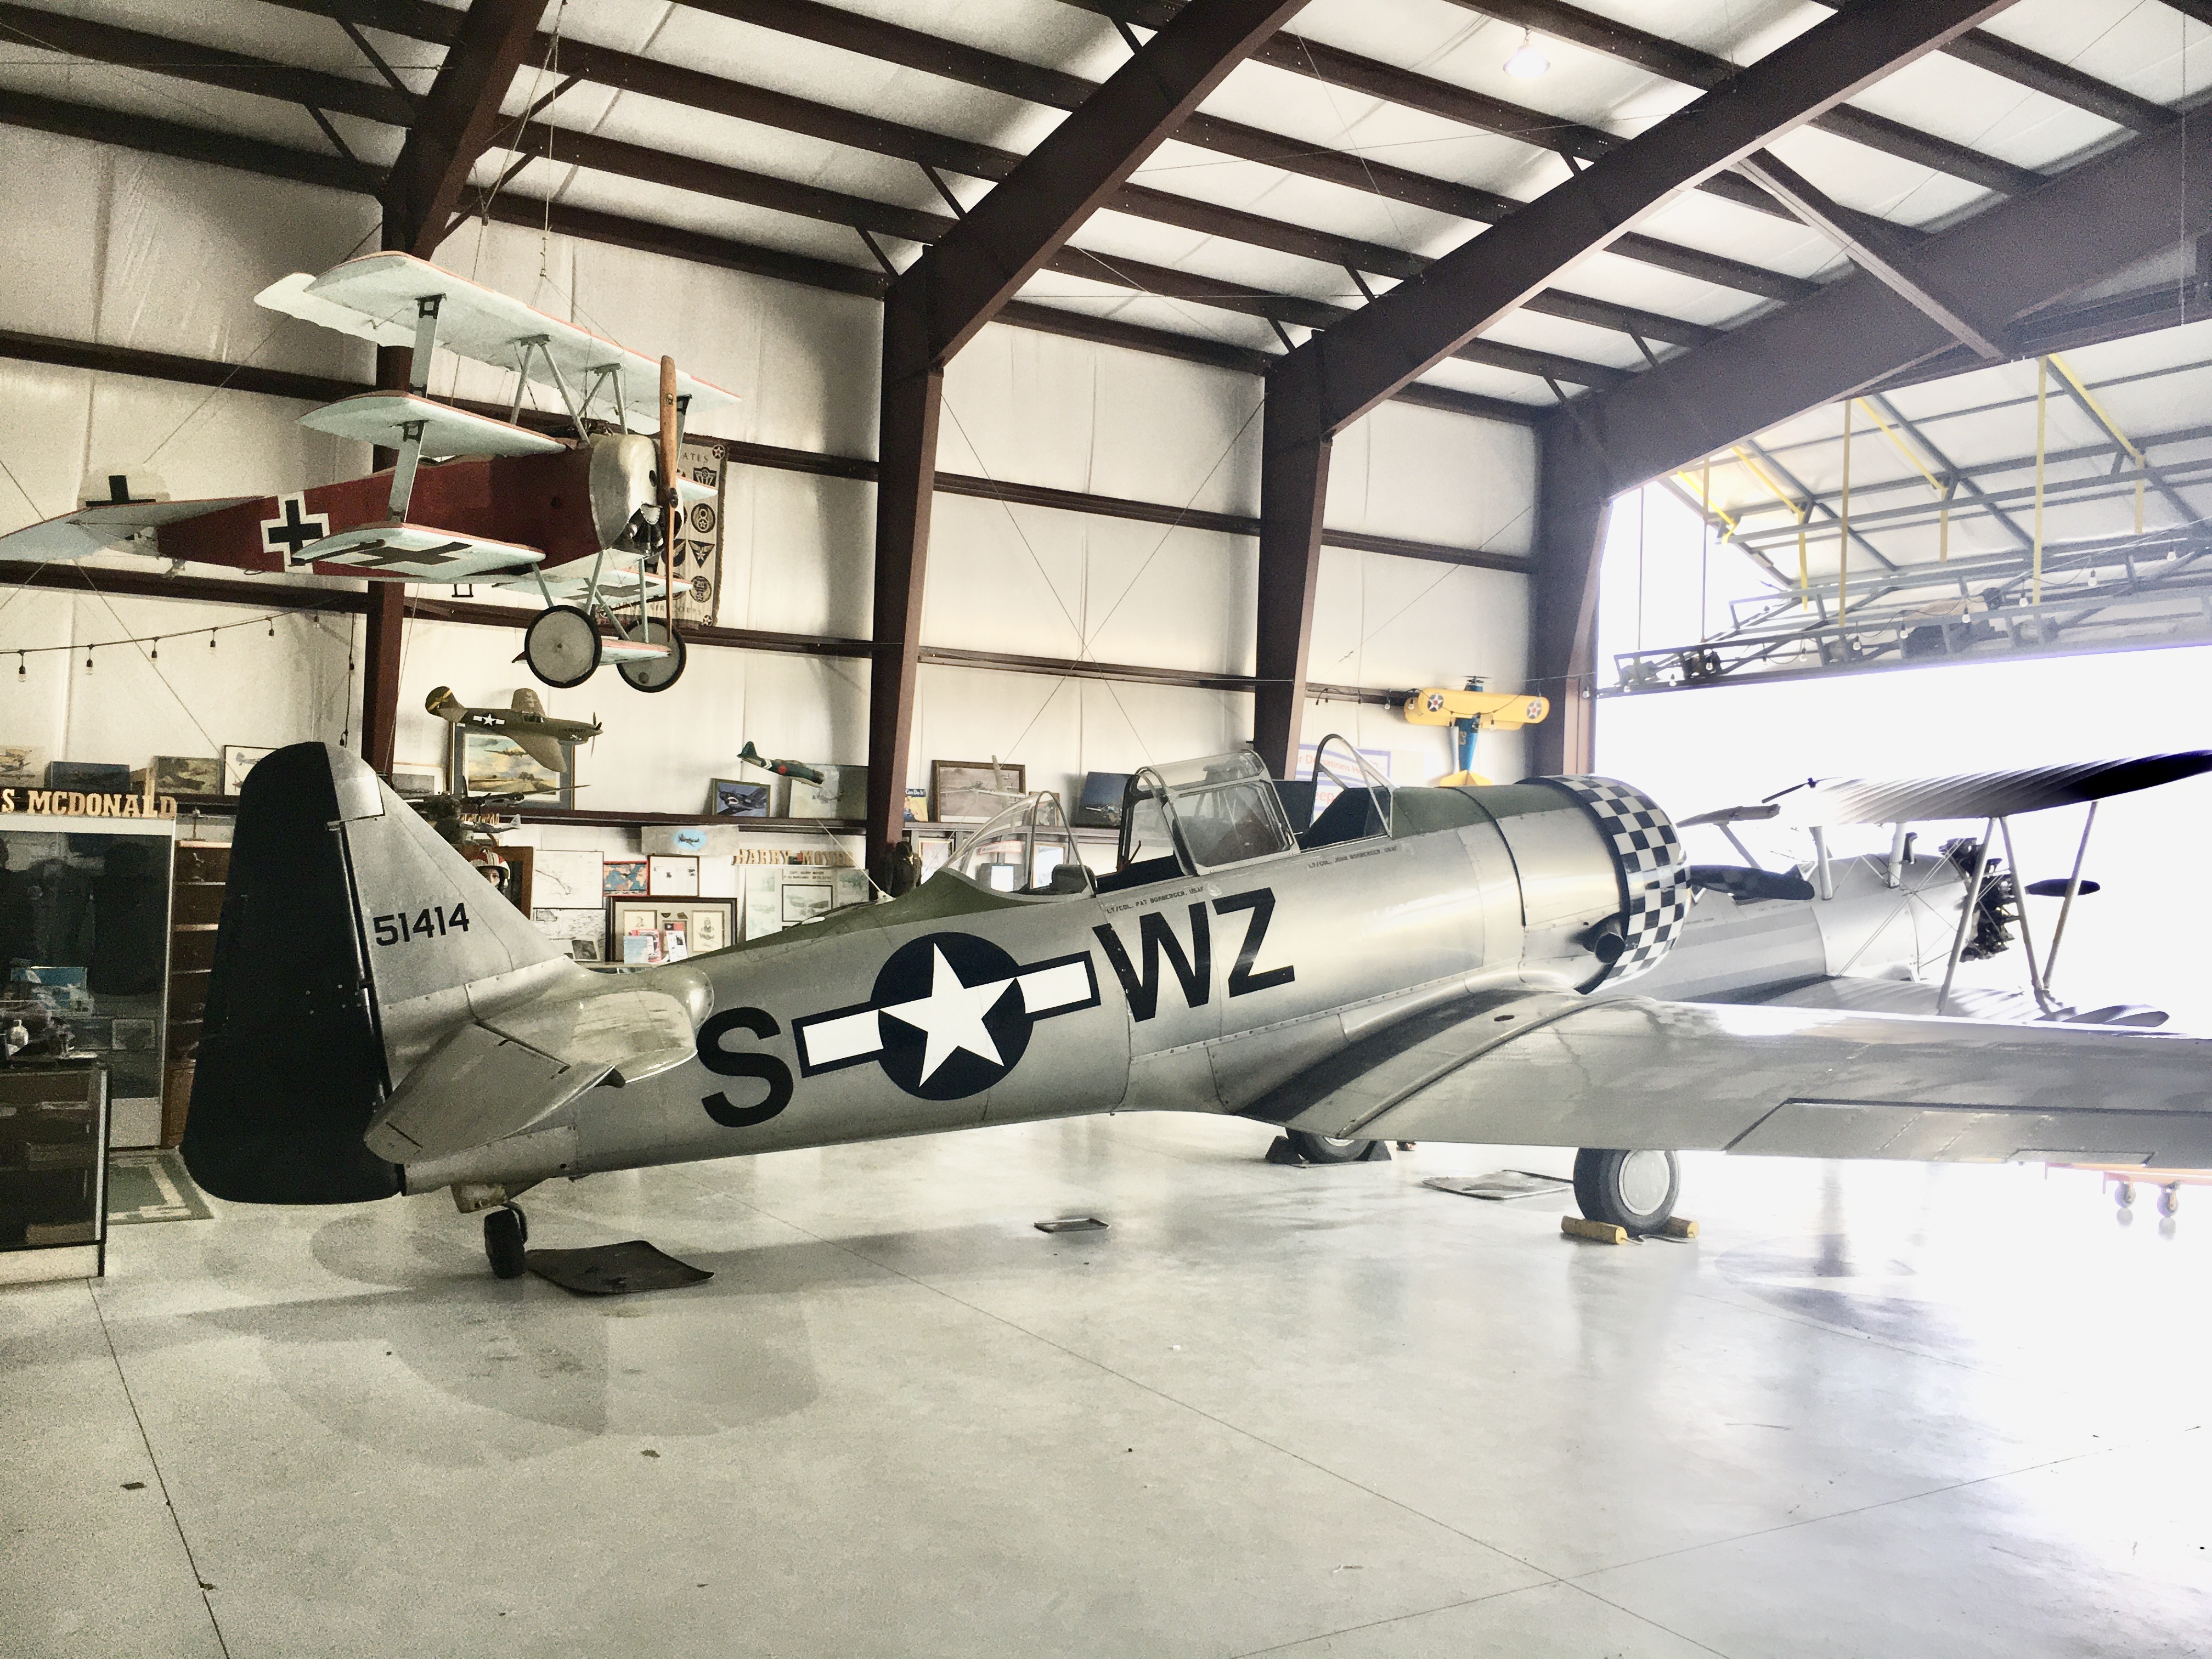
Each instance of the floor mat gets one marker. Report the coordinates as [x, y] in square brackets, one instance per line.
[614, 1269]
[151, 1186]
[1500, 1184]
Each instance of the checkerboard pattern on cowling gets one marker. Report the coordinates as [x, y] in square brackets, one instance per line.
[1650, 853]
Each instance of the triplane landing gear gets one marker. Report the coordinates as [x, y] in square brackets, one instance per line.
[1635, 1190]
[507, 1230]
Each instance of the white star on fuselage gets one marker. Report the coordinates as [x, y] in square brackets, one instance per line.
[951, 1016]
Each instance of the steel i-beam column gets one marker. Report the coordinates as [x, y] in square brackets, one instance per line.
[1293, 490]
[912, 398]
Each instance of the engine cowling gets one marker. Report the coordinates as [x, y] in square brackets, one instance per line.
[1605, 889]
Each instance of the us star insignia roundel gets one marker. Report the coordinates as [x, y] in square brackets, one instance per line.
[950, 1016]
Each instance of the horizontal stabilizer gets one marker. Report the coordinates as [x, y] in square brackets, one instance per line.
[96, 529]
[416, 553]
[505, 1073]
[383, 417]
[374, 297]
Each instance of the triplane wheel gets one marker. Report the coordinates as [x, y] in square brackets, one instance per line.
[562, 646]
[1635, 1190]
[506, 1231]
[1320, 1149]
[655, 673]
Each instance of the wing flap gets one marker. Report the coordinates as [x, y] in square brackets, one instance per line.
[1636, 1072]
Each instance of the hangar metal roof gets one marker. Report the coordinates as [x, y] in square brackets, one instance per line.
[829, 144]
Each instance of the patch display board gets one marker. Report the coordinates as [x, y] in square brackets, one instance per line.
[698, 563]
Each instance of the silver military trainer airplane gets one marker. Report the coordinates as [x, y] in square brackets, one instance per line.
[1455, 965]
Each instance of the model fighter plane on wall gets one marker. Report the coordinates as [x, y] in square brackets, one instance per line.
[1422, 964]
[580, 522]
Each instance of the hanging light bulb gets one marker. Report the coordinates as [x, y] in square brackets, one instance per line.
[23, 668]
[87, 659]
[211, 639]
[272, 627]
[1527, 62]
[155, 655]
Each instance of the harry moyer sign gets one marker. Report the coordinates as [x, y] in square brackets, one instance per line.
[71, 803]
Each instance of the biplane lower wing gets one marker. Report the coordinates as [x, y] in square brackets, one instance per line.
[1562, 1070]
[415, 553]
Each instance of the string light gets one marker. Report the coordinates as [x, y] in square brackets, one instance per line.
[154, 641]
[155, 655]
[211, 639]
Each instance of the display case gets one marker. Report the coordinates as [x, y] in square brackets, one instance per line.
[84, 953]
[53, 1170]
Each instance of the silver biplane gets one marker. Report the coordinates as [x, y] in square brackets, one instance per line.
[1466, 964]
[587, 524]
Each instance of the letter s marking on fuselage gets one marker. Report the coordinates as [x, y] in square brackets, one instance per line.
[723, 1063]
[1261, 902]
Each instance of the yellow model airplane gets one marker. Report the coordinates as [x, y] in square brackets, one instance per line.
[1470, 711]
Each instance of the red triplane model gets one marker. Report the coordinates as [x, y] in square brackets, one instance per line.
[580, 521]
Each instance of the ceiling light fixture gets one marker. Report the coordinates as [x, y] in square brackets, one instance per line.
[1527, 64]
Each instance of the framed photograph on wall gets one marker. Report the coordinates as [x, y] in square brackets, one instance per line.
[418, 780]
[22, 766]
[971, 791]
[727, 797]
[672, 875]
[492, 763]
[239, 759]
[646, 932]
[569, 879]
[623, 877]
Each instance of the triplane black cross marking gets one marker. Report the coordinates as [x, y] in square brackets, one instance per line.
[294, 530]
[447, 554]
[118, 493]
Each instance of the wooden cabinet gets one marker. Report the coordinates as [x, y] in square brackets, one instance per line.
[195, 906]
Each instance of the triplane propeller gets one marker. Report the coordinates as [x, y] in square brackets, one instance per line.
[587, 523]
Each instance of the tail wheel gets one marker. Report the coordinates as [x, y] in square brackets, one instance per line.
[562, 646]
[655, 673]
[1320, 1149]
[1636, 1190]
[505, 1234]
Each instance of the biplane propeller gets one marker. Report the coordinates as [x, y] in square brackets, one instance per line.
[589, 523]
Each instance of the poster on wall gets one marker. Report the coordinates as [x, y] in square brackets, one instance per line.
[698, 563]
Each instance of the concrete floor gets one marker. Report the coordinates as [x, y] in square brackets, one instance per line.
[1871, 1411]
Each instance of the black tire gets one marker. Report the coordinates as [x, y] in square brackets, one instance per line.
[1320, 1149]
[655, 673]
[561, 645]
[1630, 1189]
[505, 1234]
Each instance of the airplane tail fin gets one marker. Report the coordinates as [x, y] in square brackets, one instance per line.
[352, 938]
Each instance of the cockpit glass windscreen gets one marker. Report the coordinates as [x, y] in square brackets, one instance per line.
[1223, 811]
[1026, 849]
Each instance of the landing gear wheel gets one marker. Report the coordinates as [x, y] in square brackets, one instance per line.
[2169, 1199]
[1320, 1149]
[2124, 1194]
[1635, 1190]
[562, 646]
[655, 673]
[505, 1232]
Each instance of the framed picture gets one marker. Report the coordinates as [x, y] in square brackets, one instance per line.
[570, 924]
[649, 931]
[569, 879]
[23, 767]
[1100, 807]
[971, 792]
[727, 797]
[239, 759]
[843, 793]
[492, 763]
[186, 775]
[804, 901]
[587, 950]
[672, 875]
[623, 878]
[415, 781]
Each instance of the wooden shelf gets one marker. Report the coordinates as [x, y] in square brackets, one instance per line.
[1082, 832]
[594, 817]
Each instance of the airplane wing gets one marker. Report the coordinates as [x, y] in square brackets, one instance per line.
[383, 417]
[541, 748]
[1562, 1070]
[416, 553]
[374, 297]
[1831, 801]
[96, 529]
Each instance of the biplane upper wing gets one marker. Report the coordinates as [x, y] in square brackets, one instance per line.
[1829, 801]
[108, 523]
[1563, 1070]
[376, 297]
